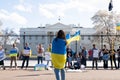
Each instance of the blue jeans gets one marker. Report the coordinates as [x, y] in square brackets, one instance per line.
[25, 58]
[60, 74]
[40, 58]
[47, 62]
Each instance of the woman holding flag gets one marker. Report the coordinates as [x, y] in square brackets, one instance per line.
[58, 55]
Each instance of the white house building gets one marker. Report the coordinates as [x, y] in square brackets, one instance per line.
[45, 35]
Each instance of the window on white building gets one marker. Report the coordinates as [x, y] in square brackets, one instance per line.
[36, 43]
[88, 37]
[82, 37]
[30, 43]
[36, 37]
[30, 37]
[43, 37]
[50, 36]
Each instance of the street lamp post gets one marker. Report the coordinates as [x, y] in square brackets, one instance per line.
[5, 41]
[76, 46]
[101, 40]
[24, 40]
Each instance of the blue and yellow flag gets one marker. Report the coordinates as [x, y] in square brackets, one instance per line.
[58, 54]
[118, 26]
[76, 37]
[13, 52]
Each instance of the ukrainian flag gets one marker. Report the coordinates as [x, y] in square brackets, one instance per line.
[76, 37]
[13, 52]
[118, 26]
[58, 54]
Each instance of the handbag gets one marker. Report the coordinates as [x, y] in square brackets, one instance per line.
[106, 57]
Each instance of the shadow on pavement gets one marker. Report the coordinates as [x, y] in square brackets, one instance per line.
[28, 75]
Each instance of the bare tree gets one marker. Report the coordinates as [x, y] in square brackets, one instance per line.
[105, 23]
[9, 36]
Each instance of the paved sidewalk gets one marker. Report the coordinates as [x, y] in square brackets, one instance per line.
[30, 74]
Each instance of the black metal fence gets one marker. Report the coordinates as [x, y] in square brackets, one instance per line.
[34, 40]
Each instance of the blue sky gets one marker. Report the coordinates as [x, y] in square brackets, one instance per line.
[16, 14]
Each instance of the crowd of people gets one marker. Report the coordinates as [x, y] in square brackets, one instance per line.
[14, 54]
[73, 59]
[62, 56]
[95, 55]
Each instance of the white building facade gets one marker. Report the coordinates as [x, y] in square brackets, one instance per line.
[45, 35]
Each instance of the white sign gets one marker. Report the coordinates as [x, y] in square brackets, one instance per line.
[47, 56]
[95, 53]
[26, 51]
[2, 55]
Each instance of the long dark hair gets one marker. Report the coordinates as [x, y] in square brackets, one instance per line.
[61, 34]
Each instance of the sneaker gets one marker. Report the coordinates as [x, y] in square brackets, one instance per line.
[21, 67]
[3, 68]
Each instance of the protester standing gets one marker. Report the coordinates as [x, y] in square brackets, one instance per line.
[26, 55]
[112, 53]
[2, 57]
[14, 52]
[40, 54]
[95, 53]
[69, 56]
[105, 57]
[84, 56]
[58, 55]
[118, 51]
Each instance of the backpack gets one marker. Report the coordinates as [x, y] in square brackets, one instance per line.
[76, 65]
